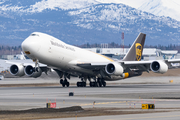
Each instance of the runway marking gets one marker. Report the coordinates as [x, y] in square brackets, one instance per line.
[102, 103]
[146, 117]
[127, 102]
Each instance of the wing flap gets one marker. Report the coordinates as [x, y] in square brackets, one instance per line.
[92, 66]
[137, 62]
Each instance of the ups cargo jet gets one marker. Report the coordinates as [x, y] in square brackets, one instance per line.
[48, 52]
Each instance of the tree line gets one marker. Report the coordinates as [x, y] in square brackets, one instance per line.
[13, 50]
[10, 50]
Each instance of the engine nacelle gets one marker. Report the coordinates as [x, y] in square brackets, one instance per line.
[17, 70]
[114, 69]
[31, 72]
[159, 67]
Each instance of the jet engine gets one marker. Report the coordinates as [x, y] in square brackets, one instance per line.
[159, 67]
[17, 70]
[32, 72]
[114, 69]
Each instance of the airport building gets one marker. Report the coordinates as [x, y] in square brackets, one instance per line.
[148, 53]
[13, 57]
[7, 57]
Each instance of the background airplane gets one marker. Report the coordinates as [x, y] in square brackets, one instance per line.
[67, 60]
[173, 65]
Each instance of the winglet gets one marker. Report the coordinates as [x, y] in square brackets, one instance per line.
[135, 52]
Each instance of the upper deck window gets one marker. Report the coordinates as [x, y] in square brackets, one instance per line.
[34, 34]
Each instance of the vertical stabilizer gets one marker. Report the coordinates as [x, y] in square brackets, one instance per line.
[135, 52]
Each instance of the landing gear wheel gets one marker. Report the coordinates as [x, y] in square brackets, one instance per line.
[78, 84]
[99, 81]
[81, 84]
[96, 85]
[100, 84]
[104, 84]
[63, 84]
[90, 84]
[93, 84]
[61, 81]
[67, 84]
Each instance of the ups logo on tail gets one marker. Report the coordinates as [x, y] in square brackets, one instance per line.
[138, 51]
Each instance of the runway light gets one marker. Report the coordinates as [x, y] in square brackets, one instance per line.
[94, 103]
[171, 81]
[76, 116]
[129, 105]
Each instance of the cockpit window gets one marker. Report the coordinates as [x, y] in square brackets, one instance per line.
[34, 34]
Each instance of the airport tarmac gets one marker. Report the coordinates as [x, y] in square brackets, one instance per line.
[126, 95]
[145, 116]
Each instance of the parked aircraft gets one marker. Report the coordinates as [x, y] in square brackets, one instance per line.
[173, 65]
[68, 60]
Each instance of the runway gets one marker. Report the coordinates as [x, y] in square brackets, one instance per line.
[127, 97]
[124, 96]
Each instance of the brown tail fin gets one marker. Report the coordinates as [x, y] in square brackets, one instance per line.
[135, 52]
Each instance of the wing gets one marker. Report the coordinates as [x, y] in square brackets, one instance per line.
[147, 64]
[159, 66]
[23, 62]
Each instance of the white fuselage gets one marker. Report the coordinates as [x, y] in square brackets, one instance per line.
[59, 55]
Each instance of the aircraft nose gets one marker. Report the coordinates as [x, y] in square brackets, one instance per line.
[30, 45]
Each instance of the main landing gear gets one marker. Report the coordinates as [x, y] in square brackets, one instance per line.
[82, 83]
[99, 83]
[96, 83]
[64, 82]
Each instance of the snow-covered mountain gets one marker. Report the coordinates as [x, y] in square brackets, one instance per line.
[168, 8]
[83, 21]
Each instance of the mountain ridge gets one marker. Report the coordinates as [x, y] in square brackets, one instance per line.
[94, 23]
